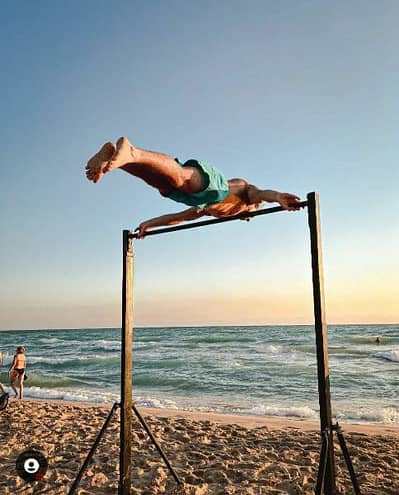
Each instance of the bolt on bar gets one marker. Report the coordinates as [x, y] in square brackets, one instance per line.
[240, 216]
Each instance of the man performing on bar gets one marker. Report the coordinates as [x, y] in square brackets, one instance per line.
[195, 183]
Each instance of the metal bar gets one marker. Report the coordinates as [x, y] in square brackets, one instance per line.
[321, 338]
[154, 441]
[240, 216]
[92, 450]
[348, 460]
[125, 451]
[322, 463]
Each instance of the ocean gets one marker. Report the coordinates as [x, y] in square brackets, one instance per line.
[260, 370]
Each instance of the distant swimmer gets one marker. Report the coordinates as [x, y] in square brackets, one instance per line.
[378, 340]
[194, 183]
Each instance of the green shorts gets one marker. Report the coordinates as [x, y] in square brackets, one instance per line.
[216, 186]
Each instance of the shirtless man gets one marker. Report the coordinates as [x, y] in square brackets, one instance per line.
[194, 183]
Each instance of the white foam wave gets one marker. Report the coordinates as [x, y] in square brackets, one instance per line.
[86, 395]
[50, 340]
[389, 355]
[344, 412]
[156, 403]
[59, 360]
[304, 412]
[282, 353]
[106, 344]
[80, 395]
[101, 357]
[273, 348]
[384, 415]
[46, 359]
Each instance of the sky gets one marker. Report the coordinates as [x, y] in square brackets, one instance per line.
[296, 96]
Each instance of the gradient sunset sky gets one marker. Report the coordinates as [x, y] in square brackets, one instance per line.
[295, 95]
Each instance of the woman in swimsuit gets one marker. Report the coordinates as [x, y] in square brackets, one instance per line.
[17, 370]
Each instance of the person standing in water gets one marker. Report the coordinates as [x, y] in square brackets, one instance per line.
[17, 371]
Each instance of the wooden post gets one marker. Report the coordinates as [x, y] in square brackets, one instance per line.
[125, 452]
[321, 338]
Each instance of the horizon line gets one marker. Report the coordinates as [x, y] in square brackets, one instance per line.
[195, 326]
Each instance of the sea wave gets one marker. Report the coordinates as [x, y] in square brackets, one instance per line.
[107, 345]
[257, 370]
[336, 350]
[389, 355]
[378, 415]
[304, 412]
[217, 339]
[373, 339]
[50, 340]
[38, 380]
[369, 415]
[69, 360]
[80, 395]
[171, 363]
[156, 403]
[298, 411]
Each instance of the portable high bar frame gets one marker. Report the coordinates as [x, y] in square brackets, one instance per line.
[326, 476]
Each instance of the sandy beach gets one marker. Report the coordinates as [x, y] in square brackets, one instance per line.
[212, 453]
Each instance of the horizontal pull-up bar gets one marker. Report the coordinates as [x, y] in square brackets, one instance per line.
[240, 216]
[326, 481]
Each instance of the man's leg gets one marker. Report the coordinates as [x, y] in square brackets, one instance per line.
[157, 169]
[96, 164]
[152, 179]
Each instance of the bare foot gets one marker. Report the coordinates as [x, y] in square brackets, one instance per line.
[95, 166]
[123, 155]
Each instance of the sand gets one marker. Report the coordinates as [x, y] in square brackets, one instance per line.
[213, 454]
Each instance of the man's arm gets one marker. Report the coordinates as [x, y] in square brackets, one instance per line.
[287, 200]
[170, 219]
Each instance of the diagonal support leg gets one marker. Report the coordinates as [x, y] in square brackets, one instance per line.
[154, 441]
[347, 458]
[86, 462]
[92, 450]
[322, 463]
